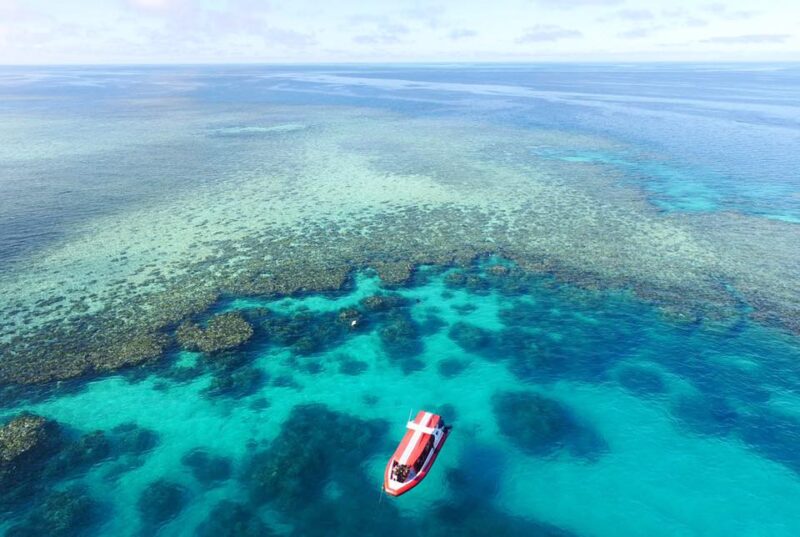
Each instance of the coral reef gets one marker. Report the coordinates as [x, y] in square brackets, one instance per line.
[80, 328]
[383, 302]
[88, 450]
[774, 435]
[26, 444]
[232, 519]
[208, 469]
[641, 380]
[222, 332]
[62, 514]
[706, 415]
[126, 348]
[160, 502]
[307, 333]
[469, 337]
[236, 383]
[352, 367]
[315, 445]
[401, 338]
[451, 367]
[393, 274]
[542, 426]
[134, 439]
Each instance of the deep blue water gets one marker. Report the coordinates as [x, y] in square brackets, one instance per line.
[576, 411]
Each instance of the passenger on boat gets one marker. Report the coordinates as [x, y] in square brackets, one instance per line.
[401, 472]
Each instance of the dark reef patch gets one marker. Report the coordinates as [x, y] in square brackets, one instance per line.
[547, 340]
[471, 338]
[68, 513]
[233, 519]
[260, 403]
[465, 309]
[37, 455]
[78, 456]
[470, 511]
[314, 445]
[431, 324]
[641, 380]
[352, 367]
[317, 445]
[27, 443]
[236, 383]
[160, 502]
[774, 435]
[468, 519]
[312, 367]
[402, 341]
[306, 333]
[286, 380]
[470, 280]
[208, 469]
[706, 415]
[452, 367]
[383, 302]
[134, 439]
[542, 426]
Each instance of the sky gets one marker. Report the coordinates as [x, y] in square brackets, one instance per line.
[316, 31]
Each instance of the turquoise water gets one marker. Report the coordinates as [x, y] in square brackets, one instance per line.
[649, 449]
[591, 272]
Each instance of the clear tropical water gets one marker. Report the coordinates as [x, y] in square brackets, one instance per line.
[636, 232]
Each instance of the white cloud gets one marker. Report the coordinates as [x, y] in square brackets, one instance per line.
[461, 33]
[635, 14]
[547, 32]
[155, 5]
[749, 39]
[153, 31]
[570, 4]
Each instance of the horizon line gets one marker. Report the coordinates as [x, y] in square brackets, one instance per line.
[411, 62]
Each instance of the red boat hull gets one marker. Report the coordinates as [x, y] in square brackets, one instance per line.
[393, 488]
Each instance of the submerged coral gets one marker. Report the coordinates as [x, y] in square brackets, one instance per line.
[712, 415]
[160, 502]
[383, 302]
[26, 444]
[402, 340]
[237, 383]
[134, 439]
[66, 513]
[88, 450]
[641, 380]
[452, 367]
[207, 468]
[307, 333]
[224, 331]
[469, 337]
[232, 519]
[315, 445]
[352, 367]
[542, 426]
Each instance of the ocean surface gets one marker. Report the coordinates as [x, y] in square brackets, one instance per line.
[591, 271]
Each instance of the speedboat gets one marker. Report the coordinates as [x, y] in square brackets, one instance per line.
[413, 458]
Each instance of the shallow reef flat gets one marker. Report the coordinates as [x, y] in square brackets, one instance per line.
[309, 194]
